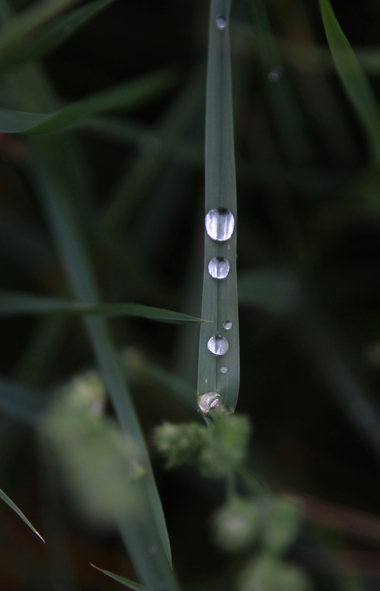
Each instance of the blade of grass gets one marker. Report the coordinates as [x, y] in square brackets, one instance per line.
[219, 300]
[126, 582]
[12, 505]
[124, 96]
[20, 26]
[353, 78]
[40, 42]
[21, 404]
[16, 303]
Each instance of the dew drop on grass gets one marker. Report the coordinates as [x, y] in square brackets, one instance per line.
[219, 268]
[223, 370]
[221, 22]
[208, 402]
[274, 75]
[227, 324]
[220, 224]
[217, 345]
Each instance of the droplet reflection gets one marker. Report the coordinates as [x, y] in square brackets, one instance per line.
[224, 370]
[220, 224]
[219, 268]
[221, 22]
[218, 345]
[208, 402]
[227, 324]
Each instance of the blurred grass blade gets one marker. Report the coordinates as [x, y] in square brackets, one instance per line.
[16, 303]
[122, 580]
[353, 77]
[40, 42]
[124, 96]
[22, 25]
[11, 504]
[219, 300]
[19, 403]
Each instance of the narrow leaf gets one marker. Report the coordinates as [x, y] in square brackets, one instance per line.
[126, 582]
[11, 504]
[219, 372]
[16, 304]
[123, 96]
[40, 42]
[353, 77]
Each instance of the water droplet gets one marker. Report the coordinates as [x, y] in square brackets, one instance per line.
[227, 324]
[221, 22]
[224, 370]
[218, 345]
[208, 402]
[152, 549]
[275, 74]
[220, 224]
[219, 268]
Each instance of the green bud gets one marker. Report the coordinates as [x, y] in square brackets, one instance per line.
[181, 443]
[281, 525]
[227, 446]
[236, 524]
[269, 574]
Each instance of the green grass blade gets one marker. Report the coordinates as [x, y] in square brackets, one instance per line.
[19, 403]
[126, 582]
[219, 300]
[353, 77]
[16, 303]
[53, 34]
[124, 96]
[22, 25]
[12, 505]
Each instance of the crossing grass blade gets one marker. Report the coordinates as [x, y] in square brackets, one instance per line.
[219, 299]
[40, 42]
[124, 96]
[21, 26]
[126, 582]
[15, 303]
[21, 404]
[13, 506]
[353, 78]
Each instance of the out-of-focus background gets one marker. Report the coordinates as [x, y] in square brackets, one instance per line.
[308, 264]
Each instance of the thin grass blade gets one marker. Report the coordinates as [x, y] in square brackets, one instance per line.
[220, 372]
[41, 42]
[126, 582]
[13, 506]
[124, 96]
[353, 77]
[15, 303]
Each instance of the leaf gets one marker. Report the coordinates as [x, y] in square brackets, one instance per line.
[12, 505]
[353, 78]
[219, 300]
[40, 42]
[16, 303]
[126, 582]
[124, 96]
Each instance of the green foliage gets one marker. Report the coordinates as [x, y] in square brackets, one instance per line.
[181, 443]
[236, 525]
[13, 506]
[269, 574]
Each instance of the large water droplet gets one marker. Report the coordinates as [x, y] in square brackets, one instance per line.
[227, 324]
[219, 268]
[224, 370]
[209, 401]
[220, 224]
[221, 22]
[218, 345]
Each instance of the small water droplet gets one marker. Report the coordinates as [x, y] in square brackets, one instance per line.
[224, 370]
[227, 324]
[275, 74]
[208, 402]
[220, 224]
[152, 549]
[219, 268]
[221, 22]
[218, 345]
